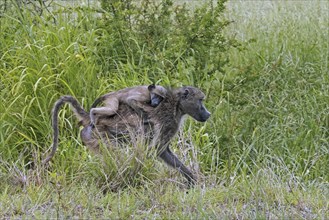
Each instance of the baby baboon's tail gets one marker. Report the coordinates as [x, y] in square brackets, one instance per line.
[99, 100]
[79, 112]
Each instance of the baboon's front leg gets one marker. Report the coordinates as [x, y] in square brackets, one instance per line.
[173, 161]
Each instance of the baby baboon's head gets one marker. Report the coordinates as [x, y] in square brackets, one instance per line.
[191, 103]
[158, 93]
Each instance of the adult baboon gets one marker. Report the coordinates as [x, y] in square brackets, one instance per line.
[163, 120]
[136, 97]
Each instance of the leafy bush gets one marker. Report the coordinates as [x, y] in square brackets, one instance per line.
[164, 41]
[123, 45]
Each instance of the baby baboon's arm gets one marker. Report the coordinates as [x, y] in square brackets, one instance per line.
[137, 102]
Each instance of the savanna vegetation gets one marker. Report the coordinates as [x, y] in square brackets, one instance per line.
[264, 153]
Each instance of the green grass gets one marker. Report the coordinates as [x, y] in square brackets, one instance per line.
[263, 154]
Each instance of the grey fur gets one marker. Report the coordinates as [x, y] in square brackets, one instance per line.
[136, 97]
[161, 125]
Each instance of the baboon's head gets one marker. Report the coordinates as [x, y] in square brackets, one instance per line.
[191, 103]
[158, 93]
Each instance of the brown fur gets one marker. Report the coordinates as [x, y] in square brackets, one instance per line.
[162, 124]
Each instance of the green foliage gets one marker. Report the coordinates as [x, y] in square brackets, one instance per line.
[168, 42]
[39, 62]
[262, 154]
[273, 94]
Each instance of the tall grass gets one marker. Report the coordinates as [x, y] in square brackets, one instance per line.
[282, 86]
[263, 154]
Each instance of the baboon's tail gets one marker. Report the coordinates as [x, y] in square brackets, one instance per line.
[81, 114]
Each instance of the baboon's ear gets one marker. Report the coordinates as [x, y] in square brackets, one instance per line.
[151, 87]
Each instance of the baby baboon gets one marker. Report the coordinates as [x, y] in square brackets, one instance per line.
[135, 97]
